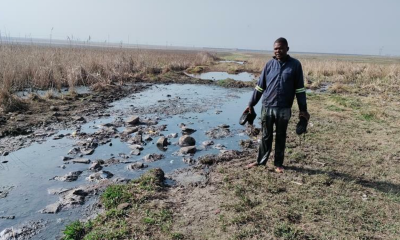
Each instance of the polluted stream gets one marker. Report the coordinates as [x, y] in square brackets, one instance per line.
[33, 179]
[243, 76]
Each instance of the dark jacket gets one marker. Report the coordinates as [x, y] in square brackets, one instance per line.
[279, 82]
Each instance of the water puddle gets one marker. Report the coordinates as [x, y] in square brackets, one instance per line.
[227, 61]
[25, 93]
[243, 76]
[323, 88]
[26, 173]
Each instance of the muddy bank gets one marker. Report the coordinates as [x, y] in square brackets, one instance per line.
[45, 116]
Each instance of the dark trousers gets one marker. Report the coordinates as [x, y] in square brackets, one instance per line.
[279, 117]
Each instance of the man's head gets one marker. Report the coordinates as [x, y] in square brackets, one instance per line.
[281, 48]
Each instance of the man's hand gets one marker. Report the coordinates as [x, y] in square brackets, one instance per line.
[304, 114]
[249, 109]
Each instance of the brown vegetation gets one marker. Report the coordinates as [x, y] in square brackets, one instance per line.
[11, 103]
[50, 67]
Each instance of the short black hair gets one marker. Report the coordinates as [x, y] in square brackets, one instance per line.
[282, 41]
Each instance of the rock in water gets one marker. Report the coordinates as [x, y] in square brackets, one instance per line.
[153, 157]
[81, 160]
[136, 166]
[188, 150]
[187, 131]
[162, 141]
[132, 120]
[52, 208]
[96, 166]
[208, 143]
[69, 177]
[99, 176]
[186, 140]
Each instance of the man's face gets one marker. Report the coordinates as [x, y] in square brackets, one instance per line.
[280, 50]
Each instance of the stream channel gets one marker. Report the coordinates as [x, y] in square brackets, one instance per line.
[25, 174]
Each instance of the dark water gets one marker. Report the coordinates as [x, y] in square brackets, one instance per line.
[227, 61]
[243, 76]
[28, 170]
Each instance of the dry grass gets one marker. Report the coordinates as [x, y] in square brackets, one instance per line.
[11, 103]
[50, 67]
[364, 74]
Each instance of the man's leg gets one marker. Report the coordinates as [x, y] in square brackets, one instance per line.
[282, 120]
[265, 148]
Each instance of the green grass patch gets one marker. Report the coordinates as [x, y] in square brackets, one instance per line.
[289, 232]
[161, 218]
[348, 102]
[115, 195]
[334, 108]
[74, 231]
[123, 224]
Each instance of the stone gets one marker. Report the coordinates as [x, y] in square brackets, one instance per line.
[136, 166]
[58, 191]
[186, 140]
[208, 143]
[219, 146]
[162, 141]
[96, 166]
[52, 208]
[187, 130]
[153, 157]
[54, 108]
[69, 177]
[223, 126]
[172, 135]
[130, 130]
[188, 150]
[136, 146]
[123, 206]
[99, 176]
[123, 155]
[137, 139]
[135, 152]
[87, 151]
[218, 132]
[74, 150]
[81, 160]
[189, 160]
[147, 138]
[79, 119]
[150, 122]
[132, 120]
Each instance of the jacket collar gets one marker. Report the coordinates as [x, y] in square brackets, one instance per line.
[286, 60]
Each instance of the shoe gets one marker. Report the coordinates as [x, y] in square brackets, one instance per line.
[247, 117]
[279, 170]
[251, 165]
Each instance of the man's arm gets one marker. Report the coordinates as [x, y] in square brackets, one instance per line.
[260, 88]
[300, 89]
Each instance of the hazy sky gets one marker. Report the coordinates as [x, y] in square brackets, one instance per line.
[335, 26]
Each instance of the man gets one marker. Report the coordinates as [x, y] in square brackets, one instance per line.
[280, 81]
